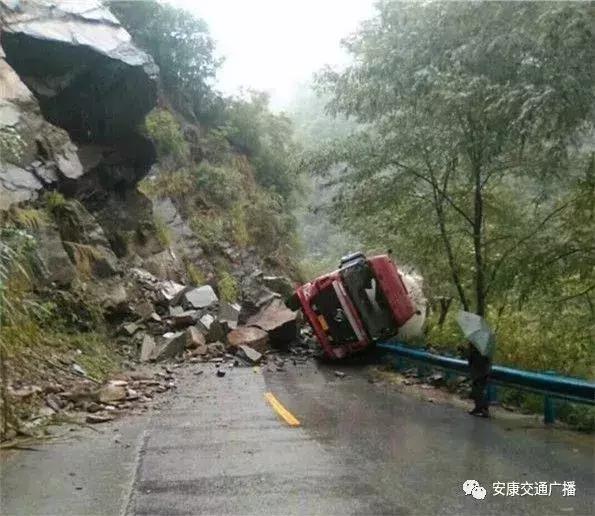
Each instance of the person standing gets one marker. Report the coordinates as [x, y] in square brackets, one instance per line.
[480, 349]
[479, 368]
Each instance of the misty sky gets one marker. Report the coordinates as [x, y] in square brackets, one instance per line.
[274, 45]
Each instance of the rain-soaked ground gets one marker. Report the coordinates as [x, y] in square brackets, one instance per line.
[217, 447]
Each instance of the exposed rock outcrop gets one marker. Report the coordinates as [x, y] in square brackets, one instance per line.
[75, 89]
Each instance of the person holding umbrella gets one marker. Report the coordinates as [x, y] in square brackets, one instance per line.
[481, 341]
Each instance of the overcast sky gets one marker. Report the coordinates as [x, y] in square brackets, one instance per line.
[274, 45]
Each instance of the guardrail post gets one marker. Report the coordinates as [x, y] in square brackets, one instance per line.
[549, 408]
[492, 394]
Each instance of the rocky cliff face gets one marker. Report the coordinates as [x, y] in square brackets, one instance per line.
[76, 89]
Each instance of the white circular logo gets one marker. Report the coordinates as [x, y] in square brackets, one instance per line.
[479, 493]
[469, 486]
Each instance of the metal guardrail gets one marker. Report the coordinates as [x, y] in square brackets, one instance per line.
[550, 384]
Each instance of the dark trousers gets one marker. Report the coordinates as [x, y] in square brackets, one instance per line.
[479, 367]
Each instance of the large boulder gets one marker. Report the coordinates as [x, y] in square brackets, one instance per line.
[248, 336]
[91, 80]
[23, 134]
[278, 321]
[73, 93]
[57, 267]
[201, 297]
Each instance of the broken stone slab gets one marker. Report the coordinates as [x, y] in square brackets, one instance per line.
[201, 297]
[216, 349]
[176, 310]
[217, 331]
[195, 339]
[147, 348]
[112, 391]
[129, 329]
[78, 370]
[229, 313]
[144, 310]
[173, 347]
[256, 338]
[94, 419]
[184, 319]
[169, 289]
[279, 284]
[278, 321]
[250, 354]
[155, 317]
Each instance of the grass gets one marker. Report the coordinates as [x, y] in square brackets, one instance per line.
[162, 231]
[227, 287]
[196, 277]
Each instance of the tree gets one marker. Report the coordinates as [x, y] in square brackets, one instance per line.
[182, 47]
[266, 138]
[471, 108]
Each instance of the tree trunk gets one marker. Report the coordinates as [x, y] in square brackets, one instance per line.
[445, 303]
[480, 291]
[454, 270]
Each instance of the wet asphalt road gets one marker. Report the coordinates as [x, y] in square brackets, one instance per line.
[216, 447]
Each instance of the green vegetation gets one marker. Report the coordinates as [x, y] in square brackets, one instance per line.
[165, 131]
[468, 159]
[12, 145]
[162, 231]
[182, 48]
[196, 277]
[227, 287]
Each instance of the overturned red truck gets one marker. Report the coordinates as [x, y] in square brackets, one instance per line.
[363, 301]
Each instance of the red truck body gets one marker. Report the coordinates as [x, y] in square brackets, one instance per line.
[361, 302]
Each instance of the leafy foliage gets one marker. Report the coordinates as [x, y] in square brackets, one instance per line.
[180, 45]
[165, 131]
[11, 145]
[470, 162]
[227, 287]
[266, 138]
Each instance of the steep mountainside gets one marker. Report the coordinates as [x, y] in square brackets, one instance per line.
[96, 203]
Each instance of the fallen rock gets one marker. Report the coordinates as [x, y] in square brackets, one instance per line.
[94, 419]
[24, 392]
[339, 374]
[216, 348]
[195, 339]
[93, 407]
[279, 284]
[78, 370]
[217, 331]
[131, 395]
[220, 373]
[176, 310]
[129, 329]
[184, 319]
[229, 314]
[147, 348]
[249, 354]
[206, 320]
[112, 391]
[53, 402]
[169, 289]
[145, 310]
[201, 297]
[249, 336]
[175, 345]
[278, 321]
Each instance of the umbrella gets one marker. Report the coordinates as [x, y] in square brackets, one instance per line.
[477, 331]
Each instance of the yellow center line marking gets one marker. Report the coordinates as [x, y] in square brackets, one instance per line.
[281, 410]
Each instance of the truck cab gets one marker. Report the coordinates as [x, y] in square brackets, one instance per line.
[363, 301]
